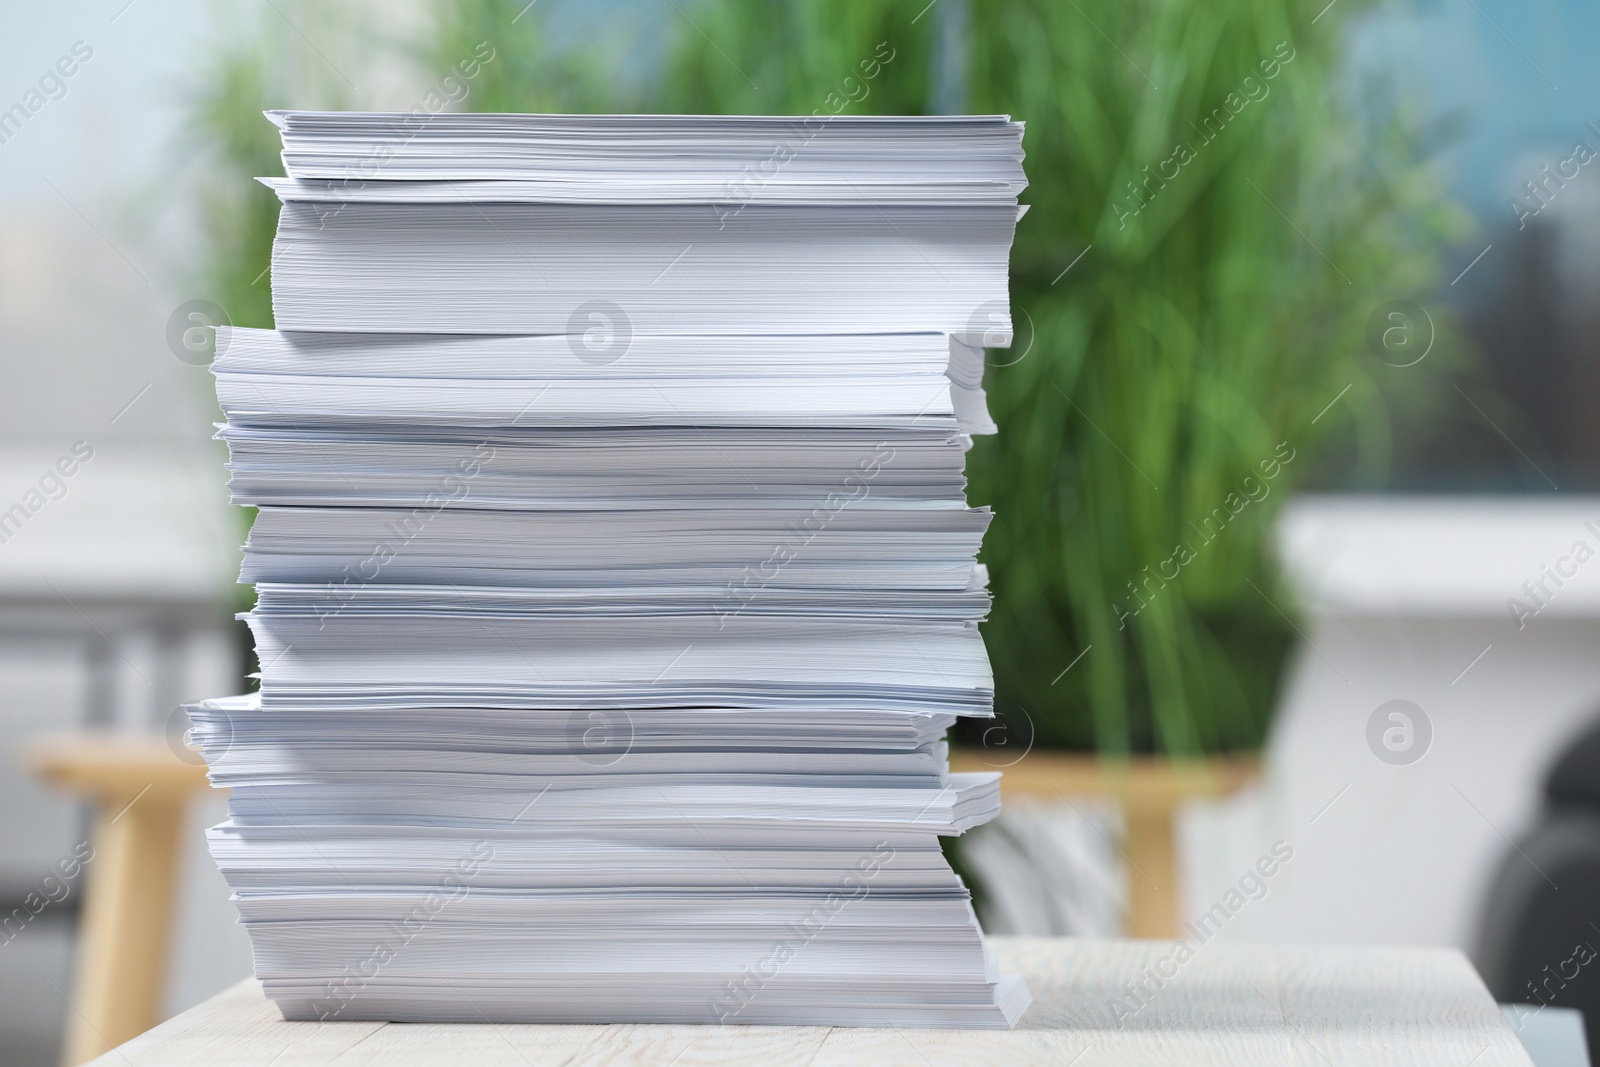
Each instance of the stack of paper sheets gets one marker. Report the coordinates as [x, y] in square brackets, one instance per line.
[616, 582]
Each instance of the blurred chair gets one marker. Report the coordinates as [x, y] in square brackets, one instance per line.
[139, 789]
[1149, 790]
[1539, 943]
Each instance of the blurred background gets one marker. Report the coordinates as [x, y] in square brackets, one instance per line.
[1297, 484]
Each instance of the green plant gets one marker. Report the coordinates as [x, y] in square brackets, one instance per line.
[527, 72]
[230, 144]
[786, 59]
[1221, 308]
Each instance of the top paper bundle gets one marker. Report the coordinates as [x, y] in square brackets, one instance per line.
[516, 222]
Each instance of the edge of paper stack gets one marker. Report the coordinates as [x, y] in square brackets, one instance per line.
[616, 582]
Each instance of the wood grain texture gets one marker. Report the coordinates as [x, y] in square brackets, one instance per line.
[1232, 1006]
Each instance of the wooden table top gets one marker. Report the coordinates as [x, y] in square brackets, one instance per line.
[1233, 1006]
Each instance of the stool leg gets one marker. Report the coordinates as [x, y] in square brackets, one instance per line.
[1153, 879]
[127, 920]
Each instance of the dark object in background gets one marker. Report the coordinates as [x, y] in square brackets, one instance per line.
[1538, 333]
[1539, 943]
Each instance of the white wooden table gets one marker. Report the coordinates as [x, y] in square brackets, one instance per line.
[1229, 1006]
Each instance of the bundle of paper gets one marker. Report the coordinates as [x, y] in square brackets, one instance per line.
[611, 612]
[699, 159]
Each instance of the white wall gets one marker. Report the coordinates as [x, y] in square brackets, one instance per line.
[1405, 595]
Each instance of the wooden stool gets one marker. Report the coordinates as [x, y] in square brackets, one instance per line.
[139, 789]
[1150, 789]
